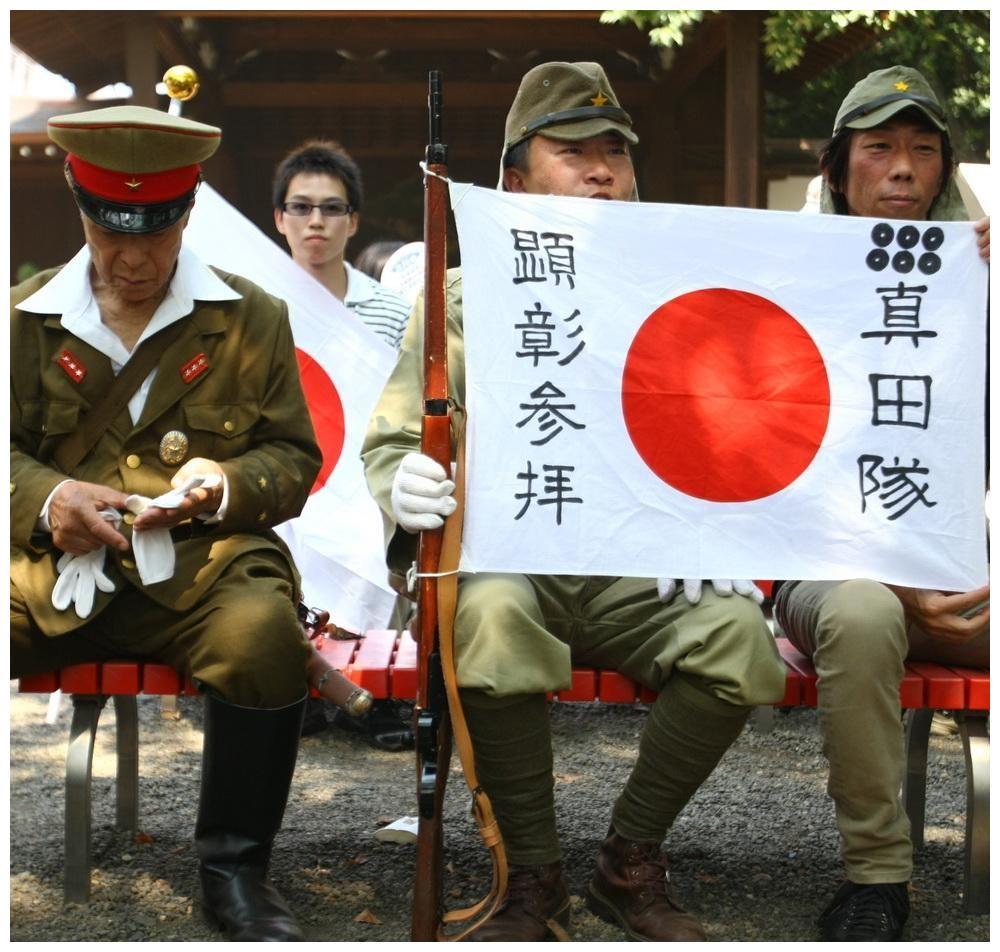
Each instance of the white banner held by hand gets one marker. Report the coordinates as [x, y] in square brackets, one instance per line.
[692, 392]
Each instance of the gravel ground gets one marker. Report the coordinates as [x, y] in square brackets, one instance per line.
[755, 854]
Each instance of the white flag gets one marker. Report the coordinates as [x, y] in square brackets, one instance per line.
[660, 390]
[337, 541]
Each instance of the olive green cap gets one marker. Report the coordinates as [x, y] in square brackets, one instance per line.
[566, 101]
[134, 138]
[133, 169]
[885, 92]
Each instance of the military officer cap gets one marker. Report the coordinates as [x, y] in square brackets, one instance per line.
[566, 101]
[885, 92]
[133, 169]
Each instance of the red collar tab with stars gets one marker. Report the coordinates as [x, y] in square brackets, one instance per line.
[194, 368]
[73, 366]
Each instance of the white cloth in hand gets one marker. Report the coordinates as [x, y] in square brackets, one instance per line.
[81, 575]
[421, 494]
[667, 587]
[153, 548]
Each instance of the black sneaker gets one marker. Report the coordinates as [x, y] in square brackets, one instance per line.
[387, 724]
[861, 912]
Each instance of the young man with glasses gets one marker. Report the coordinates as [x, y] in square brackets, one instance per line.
[317, 195]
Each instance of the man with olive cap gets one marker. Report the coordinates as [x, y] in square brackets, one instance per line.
[890, 158]
[705, 649]
[151, 539]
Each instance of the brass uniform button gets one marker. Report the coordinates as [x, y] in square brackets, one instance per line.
[132, 461]
[128, 564]
[261, 481]
[13, 486]
[174, 447]
[262, 517]
[128, 518]
[229, 426]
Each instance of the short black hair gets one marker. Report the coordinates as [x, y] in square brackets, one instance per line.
[516, 157]
[323, 157]
[835, 156]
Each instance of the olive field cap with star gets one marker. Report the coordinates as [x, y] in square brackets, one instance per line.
[885, 92]
[133, 169]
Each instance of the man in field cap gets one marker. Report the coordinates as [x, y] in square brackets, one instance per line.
[890, 159]
[158, 431]
[517, 636]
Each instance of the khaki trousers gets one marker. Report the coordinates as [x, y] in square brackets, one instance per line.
[857, 634]
[243, 642]
[520, 634]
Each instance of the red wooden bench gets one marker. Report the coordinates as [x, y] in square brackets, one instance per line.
[384, 662]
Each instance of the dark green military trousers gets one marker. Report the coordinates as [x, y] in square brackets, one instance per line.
[242, 643]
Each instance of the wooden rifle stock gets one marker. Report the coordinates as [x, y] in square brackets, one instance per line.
[433, 728]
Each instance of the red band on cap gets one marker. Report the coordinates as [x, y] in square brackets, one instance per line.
[134, 188]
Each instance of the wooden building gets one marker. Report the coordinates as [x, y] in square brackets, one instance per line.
[271, 80]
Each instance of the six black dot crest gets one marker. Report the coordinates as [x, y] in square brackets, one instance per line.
[908, 240]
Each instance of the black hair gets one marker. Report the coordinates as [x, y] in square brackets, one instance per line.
[516, 156]
[372, 258]
[323, 157]
[835, 156]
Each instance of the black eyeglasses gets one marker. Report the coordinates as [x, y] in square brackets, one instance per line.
[326, 209]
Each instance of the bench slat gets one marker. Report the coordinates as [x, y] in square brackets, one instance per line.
[803, 667]
[977, 687]
[80, 679]
[121, 677]
[943, 689]
[371, 663]
[403, 676]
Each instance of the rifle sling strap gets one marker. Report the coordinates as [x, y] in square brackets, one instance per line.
[447, 599]
[70, 452]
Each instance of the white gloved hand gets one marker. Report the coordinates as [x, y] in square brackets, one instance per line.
[667, 587]
[421, 494]
[79, 577]
[154, 549]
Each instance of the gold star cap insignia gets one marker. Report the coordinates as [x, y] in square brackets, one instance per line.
[133, 185]
[902, 87]
[599, 100]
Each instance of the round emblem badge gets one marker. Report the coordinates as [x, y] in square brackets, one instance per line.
[173, 447]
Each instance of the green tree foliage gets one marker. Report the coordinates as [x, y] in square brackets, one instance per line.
[950, 47]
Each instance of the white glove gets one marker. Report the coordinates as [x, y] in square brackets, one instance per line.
[421, 494]
[667, 587]
[154, 549]
[79, 575]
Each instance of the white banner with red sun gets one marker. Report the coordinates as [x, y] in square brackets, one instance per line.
[663, 390]
[337, 542]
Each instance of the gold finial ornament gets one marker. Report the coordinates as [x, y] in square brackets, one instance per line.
[182, 83]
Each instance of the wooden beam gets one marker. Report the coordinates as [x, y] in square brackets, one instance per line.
[268, 95]
[700, 50]
[743, 112]
[141, 61]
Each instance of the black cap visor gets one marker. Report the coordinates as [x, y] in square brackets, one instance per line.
[130, 219]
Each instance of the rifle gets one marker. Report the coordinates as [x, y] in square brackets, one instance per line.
[433, 726]
[438, 707]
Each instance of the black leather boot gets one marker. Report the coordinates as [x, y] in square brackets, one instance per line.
[247, 765]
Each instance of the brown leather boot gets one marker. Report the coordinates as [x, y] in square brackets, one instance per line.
[631, 887]
[535, 909]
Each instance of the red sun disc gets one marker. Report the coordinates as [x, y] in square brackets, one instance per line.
[326, 411]
[725, 395]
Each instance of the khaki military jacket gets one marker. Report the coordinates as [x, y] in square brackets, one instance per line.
[394, 428]
[246, 411]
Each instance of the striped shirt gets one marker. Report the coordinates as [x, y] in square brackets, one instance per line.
[382, 310]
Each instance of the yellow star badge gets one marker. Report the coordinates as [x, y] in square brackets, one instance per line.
[133, 184]
[901, 86]
[599, 99]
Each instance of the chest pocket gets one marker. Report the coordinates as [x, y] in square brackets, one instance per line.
[221, 430]
[49, 422]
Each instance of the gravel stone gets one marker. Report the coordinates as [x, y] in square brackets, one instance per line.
[755, 855]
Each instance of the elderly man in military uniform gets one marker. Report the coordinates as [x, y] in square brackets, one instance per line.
[705, 648]
[158, 431]
[890, 158]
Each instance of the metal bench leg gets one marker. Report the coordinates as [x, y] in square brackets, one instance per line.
[762, 718]
[976, 741]
[127, 778]
[79, 761]
[918, 732]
